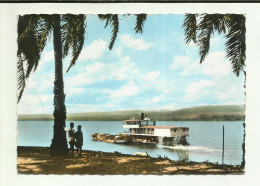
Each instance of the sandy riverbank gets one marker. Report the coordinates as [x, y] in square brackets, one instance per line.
[36, 160]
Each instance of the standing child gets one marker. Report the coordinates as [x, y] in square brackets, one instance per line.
[71, 133]
[79, 140]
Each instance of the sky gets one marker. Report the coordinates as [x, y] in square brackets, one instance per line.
[155, 70]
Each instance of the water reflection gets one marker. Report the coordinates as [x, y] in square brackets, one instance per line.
[178, 153]
[183, 155]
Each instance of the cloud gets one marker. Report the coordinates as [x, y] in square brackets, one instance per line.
[117, 51]
[198, 89]
[170, 106]
[73, 90]
[76, 108]
[229, 93]
[93, 51]
[35, 109]
[93, 73]
[137, 44]
[152, 76]
[215, 64]
[93, 68]
[79, 80]
[35, 99]
[180, 62]
[124, 69]
[47, 82]
[215, 40]
[35, 104]
[47, 56]
[185, 65]
[39, 83]
[156, 99]
[128, 90]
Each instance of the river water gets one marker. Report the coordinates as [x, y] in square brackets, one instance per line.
[205, 139]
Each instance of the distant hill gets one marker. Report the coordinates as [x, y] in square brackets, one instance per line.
[202, 113]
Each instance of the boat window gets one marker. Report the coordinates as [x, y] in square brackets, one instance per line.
[183, 130]
[174, 130]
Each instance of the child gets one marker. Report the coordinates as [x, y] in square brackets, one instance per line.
[71, 133]
[79, 140]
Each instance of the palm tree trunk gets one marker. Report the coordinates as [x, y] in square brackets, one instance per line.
[59, 144]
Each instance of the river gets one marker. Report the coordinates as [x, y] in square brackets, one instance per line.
[205, 138]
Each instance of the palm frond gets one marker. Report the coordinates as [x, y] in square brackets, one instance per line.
[235, 44]
[140, 19]
[73, 36]
[233, 25]
[105, 17]
[27, 42]
[208, 23]
[111, 19]
[204, 43]
[33, 31]
[190, 28]
[213, 21]
[20, 77]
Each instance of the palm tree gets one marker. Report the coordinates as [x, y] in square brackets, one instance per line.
[200, 27]
[68, 35]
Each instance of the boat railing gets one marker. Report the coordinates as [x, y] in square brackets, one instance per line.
[140, 123]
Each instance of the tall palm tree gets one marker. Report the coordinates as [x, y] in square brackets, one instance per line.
[200, 27]
[68, 36]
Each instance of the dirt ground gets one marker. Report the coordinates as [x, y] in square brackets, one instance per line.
[37, 160]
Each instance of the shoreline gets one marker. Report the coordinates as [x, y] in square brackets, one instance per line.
[37, 160]
[199, 113]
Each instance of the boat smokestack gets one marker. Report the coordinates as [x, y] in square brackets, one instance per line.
[142, 116]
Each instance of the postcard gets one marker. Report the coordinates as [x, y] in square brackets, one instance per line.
[129, 90]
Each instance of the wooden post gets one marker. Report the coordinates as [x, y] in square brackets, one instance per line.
[223, 145]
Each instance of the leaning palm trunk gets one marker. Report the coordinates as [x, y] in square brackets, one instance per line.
[59, 142]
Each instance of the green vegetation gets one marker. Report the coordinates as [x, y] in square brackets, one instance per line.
[202, 113]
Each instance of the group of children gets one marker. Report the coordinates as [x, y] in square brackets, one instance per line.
[75, 138]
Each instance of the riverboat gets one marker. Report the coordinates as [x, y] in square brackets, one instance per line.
[146, 131]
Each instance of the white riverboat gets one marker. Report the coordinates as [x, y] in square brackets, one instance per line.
[146, 131]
